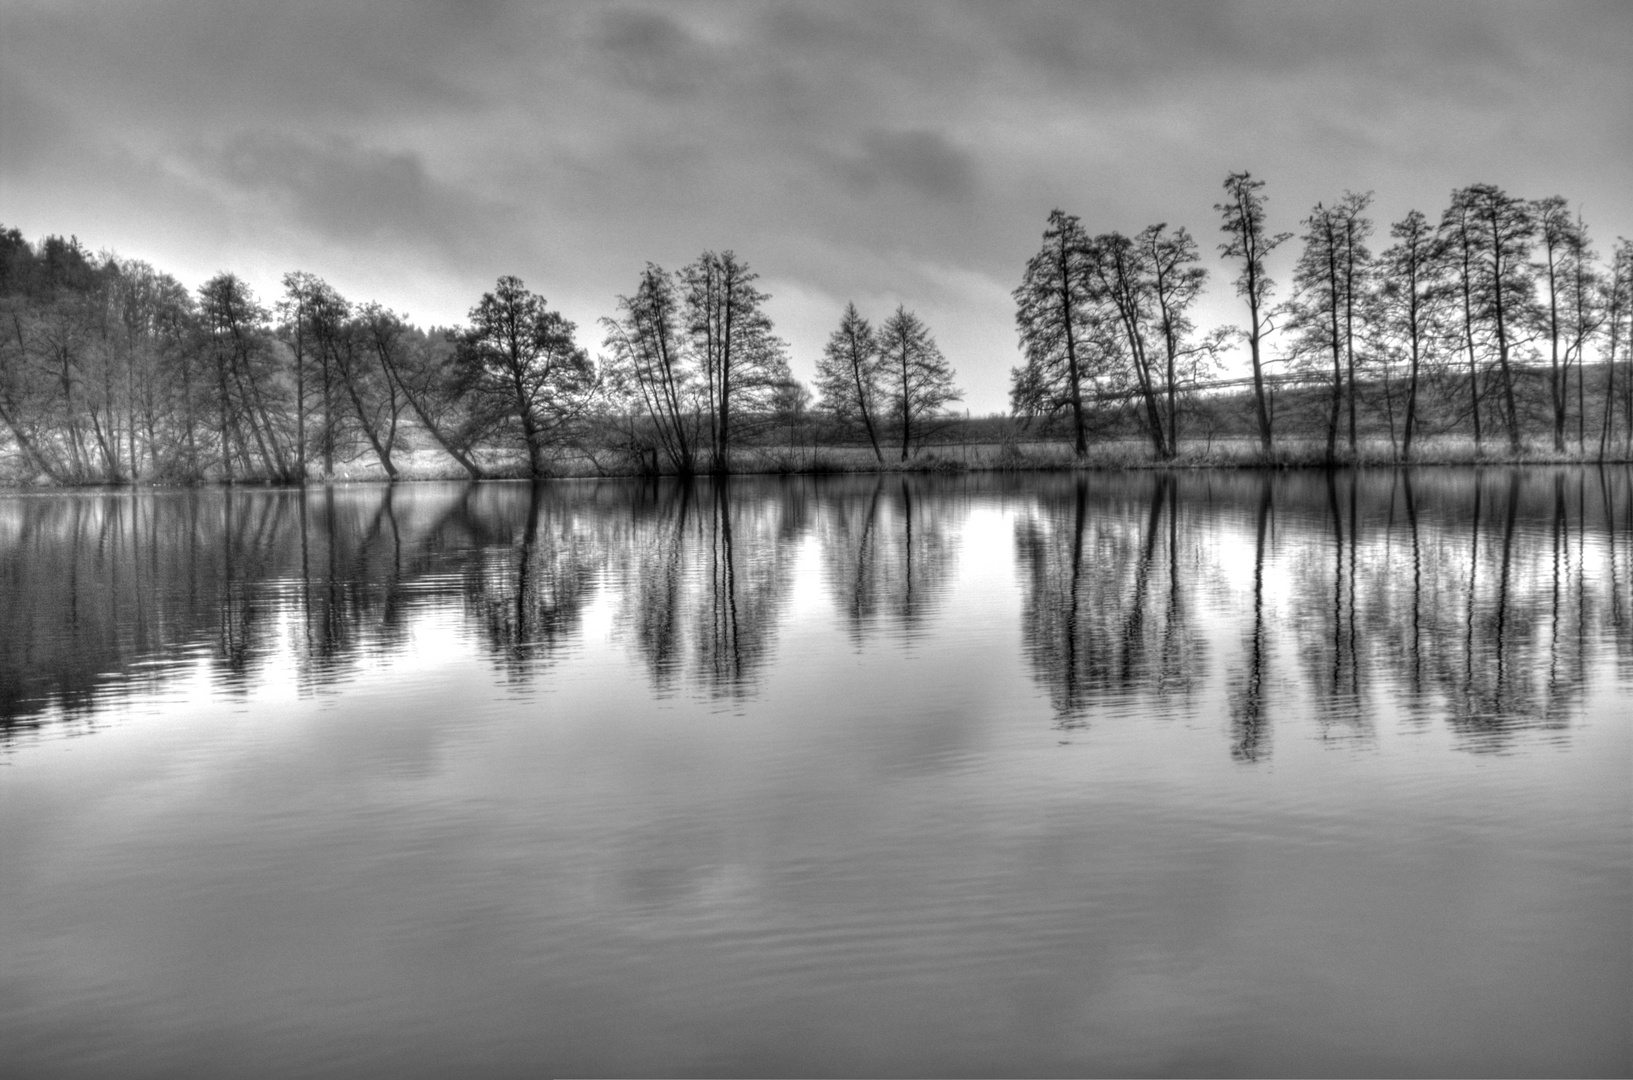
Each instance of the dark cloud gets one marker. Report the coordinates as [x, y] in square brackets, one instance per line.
[643, 37]
[353, 192]
[924, 163]
[652, 52]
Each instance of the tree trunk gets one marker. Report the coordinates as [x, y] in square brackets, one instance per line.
[862, 403]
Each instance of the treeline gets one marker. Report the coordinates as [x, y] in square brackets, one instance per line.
[1479, 326]
[113, 372]
[1497, 324]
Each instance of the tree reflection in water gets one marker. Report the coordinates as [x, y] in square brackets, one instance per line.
[1476, 597]
[889, 548]
[1482, 599]
[1105, 616]
[704, 573]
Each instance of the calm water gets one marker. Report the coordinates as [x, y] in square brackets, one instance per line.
[1225, 774]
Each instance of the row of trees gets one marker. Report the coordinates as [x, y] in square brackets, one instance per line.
[111, 371]
[1108, 316]
[1497, 321]
[895, 376]
[1485, 319]
[692, 359]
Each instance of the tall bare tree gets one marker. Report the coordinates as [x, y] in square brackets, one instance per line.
[1584, 315]
[1497, 229]
[1356, 227]
[744, 365]
[920, 379]
[1557, 238]
[848, 375]
[248, 391]
[1125, 282]
[1242, 218]
[1411, 283]
[1617, 301]
[1315, 310]
[1459, 244]
[651, 369]
[1053, 312]
[1176, 280]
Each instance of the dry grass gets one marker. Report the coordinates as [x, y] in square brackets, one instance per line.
[1009, 455]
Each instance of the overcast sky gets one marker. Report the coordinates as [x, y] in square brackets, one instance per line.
[883, 153]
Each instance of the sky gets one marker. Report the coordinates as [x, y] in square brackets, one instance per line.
[883, 153]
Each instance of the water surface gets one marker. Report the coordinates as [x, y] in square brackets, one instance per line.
[1131, 774]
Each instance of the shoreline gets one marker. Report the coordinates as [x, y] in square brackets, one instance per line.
[937, 461]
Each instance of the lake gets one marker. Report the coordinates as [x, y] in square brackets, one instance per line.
[1213, 773]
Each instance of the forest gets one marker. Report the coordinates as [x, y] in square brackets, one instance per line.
[1495, 332]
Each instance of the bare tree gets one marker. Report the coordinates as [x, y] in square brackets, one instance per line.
[1411, 272]
[1176, 281]
[1584, 315]
[522, 367]
[1496, 230]
[1123, 281]
[650, 368]
[1617, 299]
[1355, 227]
[1053, 312]
[1558, 239]
[248, 395]
[1459, 244]
[921, 380]
[743, 363]
[848, 375]
[1243, 221]
[407, 357]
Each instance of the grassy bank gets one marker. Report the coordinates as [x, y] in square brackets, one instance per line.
[1001, 456]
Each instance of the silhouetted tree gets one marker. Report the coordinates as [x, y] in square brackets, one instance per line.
[1176, 280]
[919, 379]
[1492, 232]
[522, 368]
[1584, 314]
[249, 393]
[1329, 289]
[1355, 227]
[416, 365]
[1617, 300]
[651, 369]
[1459, 246]
[848, 375]
[1243, 220]
[742, 362]
[1316, 307]
[1054, 314]
[1559, 240]
[1124, 282]
[1411, 272]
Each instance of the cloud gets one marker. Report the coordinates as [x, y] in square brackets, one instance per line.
[924, 163]
[352, 192]
[651, 51]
